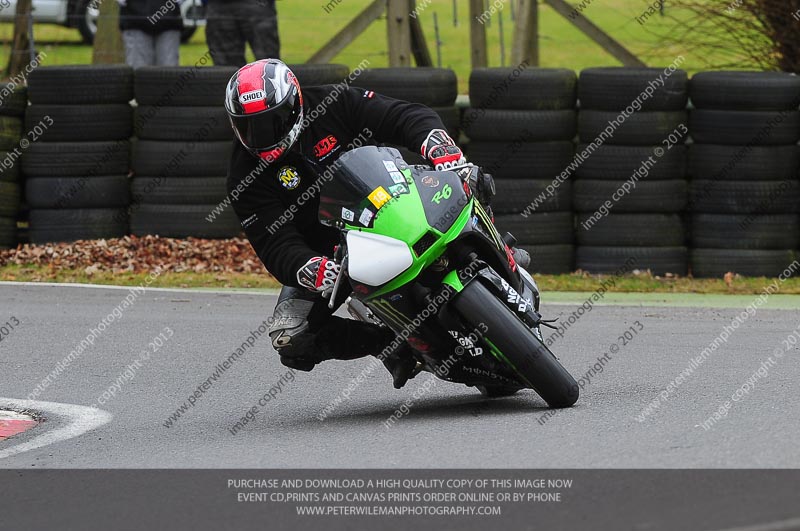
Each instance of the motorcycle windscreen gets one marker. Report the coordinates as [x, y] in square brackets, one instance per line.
[360, 183]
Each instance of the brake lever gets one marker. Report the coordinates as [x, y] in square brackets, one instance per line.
[335, 290]
[548, 322]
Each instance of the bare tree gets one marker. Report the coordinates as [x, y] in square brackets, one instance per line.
[763, 34]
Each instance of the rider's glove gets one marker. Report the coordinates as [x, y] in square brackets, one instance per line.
[318, 274]
[442, 152]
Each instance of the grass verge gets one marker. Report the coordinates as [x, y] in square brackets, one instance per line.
[186, 279]
[581, 282]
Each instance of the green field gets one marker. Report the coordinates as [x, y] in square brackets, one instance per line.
[305, 26]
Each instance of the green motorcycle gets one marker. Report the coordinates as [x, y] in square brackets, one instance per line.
[423, 258]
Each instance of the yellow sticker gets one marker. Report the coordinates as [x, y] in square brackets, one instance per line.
[379, 197]
[288, 177]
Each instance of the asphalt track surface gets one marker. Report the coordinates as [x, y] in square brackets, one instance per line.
[449, 426]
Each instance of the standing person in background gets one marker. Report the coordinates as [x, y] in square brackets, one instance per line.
[232, 23]
[151, 32]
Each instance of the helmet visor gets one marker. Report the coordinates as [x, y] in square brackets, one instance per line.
[267, 128]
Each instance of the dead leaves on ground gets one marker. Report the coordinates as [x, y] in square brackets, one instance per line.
[132, 254]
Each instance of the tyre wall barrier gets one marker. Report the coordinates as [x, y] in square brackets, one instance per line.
[701, 179]
[76, 166]
[13, 100]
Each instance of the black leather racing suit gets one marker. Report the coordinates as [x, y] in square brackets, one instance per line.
[277, 205]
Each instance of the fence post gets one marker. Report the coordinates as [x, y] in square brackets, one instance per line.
[398, 31]
[107, 47]
[477, 35]
[525, 43]
[21, 43]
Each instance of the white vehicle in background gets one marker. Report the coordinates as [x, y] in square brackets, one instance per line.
[82, 14]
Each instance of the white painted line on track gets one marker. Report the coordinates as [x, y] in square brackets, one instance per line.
[200, 291]
[734, 301]
[79, 420]
[13, 415]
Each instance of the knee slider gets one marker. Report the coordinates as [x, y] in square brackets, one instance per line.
[289, 325]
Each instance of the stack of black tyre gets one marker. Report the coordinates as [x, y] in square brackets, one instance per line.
[183, 145]
[521, 126]
[181, 153]
[13, 101]
[310, 75]
[644, 229]
[435, 87]
[744, 193]
[78, 125]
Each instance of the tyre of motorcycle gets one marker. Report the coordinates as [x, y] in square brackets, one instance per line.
[515, 344]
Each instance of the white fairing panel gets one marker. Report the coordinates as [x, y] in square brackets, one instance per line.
[375, 259]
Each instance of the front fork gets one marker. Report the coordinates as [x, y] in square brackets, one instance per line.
[525, 304]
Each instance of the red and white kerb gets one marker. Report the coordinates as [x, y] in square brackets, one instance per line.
[13, 423]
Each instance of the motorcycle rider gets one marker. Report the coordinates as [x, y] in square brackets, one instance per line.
[280, 153]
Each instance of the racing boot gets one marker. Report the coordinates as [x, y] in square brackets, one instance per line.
[304, 333]
[347, 339]
[395, 355]
[401, 365]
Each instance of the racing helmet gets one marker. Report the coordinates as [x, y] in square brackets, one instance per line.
[265, 107]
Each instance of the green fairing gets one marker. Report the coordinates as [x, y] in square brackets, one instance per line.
[403, 218]
[452, 280]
